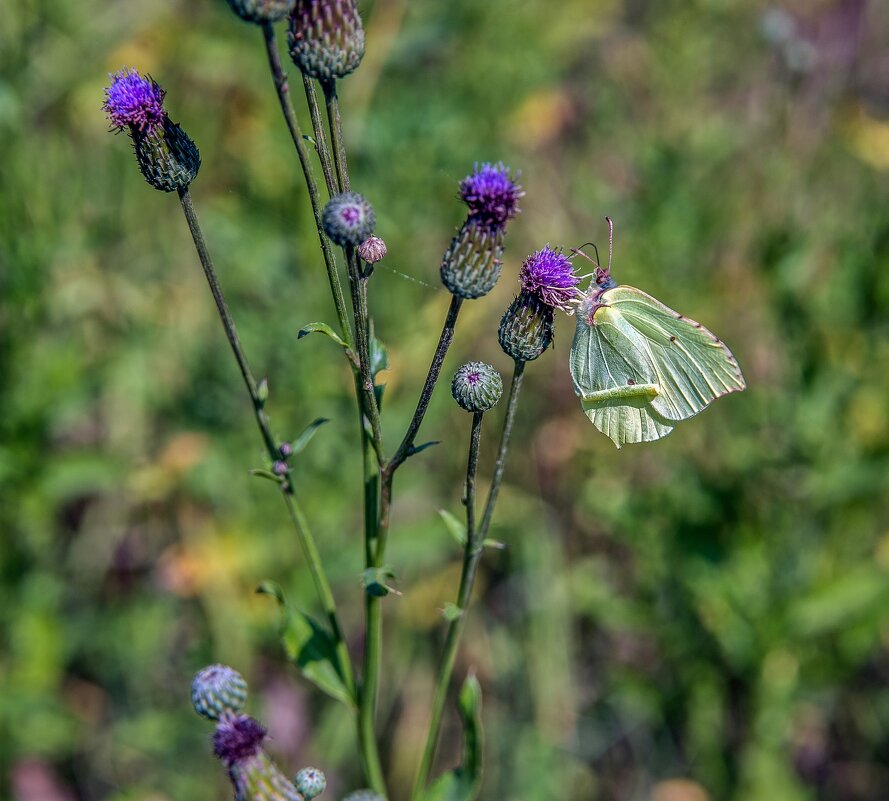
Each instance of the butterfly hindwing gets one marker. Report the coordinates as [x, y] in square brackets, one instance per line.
[611, 356]
[692, 365]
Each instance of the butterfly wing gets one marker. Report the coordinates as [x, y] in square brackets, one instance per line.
[616, 379]
[693, 367]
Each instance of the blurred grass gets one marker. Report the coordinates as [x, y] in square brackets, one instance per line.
[710, 608]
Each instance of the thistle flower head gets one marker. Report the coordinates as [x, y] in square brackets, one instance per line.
[348, 219]
[477, 387]
[238, 738]
[550, 275]
[491, 194]
[326, 38]
[135, 102]
[217, 690]
[310, 782]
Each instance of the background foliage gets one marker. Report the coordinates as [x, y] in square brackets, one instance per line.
[705, 617]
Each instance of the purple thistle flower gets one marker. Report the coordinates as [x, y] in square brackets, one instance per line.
[550, 275]
[491, 194]
[135, 102]
[238, 738]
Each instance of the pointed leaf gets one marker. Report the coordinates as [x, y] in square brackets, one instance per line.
[320, 328]
[456, 528]
[309, 646]
[310, 430]
[379, 355]
[374, 581]
[415, 449]
[260, 473]
[464, 782]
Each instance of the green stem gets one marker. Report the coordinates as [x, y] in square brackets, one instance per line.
[283, 91]
[444, 342]
[297, 516]
[471, 557]
[472, 552]
[320, 137]
[336, 133]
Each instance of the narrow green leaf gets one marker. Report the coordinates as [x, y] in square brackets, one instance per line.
[320, 328]
[374, 580]
[309, 646]
[262, 391]
[260, 473]
[464, 782]
[455, 527]
[310, 430]
[417, 448]
[379, 355]
[489, 543]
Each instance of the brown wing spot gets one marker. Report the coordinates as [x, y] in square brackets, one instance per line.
[630, 382]
[672, 338]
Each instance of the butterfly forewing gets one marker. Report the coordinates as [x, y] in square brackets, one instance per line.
[692, 365]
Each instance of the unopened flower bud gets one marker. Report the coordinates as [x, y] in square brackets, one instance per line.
[372, 249]
[255, 777]
[471, 265]
[310, 782]
[326, 38]
[348, 219]
[218, 690]
[285, 449]
[260, 11]
[476, 387]
[526, 329]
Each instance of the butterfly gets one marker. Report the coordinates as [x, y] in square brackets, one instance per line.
[638, 366]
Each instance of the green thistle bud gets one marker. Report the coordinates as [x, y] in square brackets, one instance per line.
[526, 329]
[326, 38]
[260, 11]
[348, 219]
[218, 690]
[471, 265]
[168, 158]
[476, 387]
[310, 782]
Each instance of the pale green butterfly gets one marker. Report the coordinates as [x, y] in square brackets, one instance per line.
[638, 366]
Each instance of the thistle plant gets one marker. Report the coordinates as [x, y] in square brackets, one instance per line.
[326, 43]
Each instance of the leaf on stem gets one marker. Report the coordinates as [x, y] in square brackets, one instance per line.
[261, 473]
[451, 612]
[464, 782]
[456, 528]
[309, 646]
[374, 580]
[321, 328]
[308, 432]
[415, 449]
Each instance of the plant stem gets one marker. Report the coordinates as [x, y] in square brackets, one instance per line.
[283, 90]
[336, 134]
[471, 556]
[444, 342]
[297, 516]
[472, 551]
[320, 137]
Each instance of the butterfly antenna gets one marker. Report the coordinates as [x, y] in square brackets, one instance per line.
[579, 252]
[610, 241]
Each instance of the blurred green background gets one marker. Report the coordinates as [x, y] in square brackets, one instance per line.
[706, 617]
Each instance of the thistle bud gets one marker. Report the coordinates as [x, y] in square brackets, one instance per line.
[372, 249]
[255, 777]
[476, 387]
[168, 158]
[326, 38]
[260, 11]
[348, 219]
[310, 782]
[218, 690]
[526, 329]
[471, 265]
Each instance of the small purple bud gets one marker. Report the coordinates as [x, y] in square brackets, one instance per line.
[279, 468]
[550, 275]
[310, 782]
[348, 219]
[135, 102]
[372, 249]
[285, 449]
[238, 738]
[491, 194]
[476, 387]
